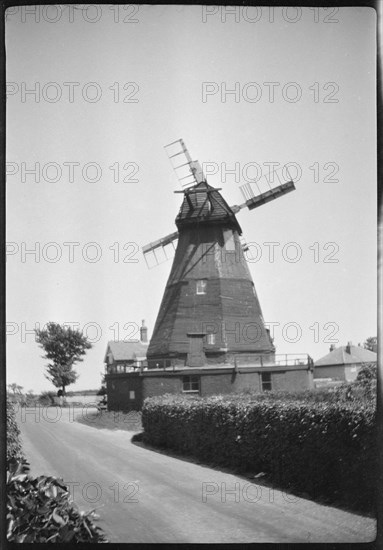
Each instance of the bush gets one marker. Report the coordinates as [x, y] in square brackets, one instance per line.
[47, 398]
[324, 449]
[367, 373]
[14, 449]
[39, 510]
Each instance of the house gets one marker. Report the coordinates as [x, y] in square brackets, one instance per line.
[127, 356]
[343, 363]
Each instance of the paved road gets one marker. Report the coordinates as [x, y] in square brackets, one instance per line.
[145, 496]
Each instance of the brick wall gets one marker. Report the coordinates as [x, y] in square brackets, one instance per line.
[336, 372]
[118, 389]
[216, 383]
[247, 381]
[220, 381]
[293, 380]
[161, 384]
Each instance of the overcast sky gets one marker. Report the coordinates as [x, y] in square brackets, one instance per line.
[113, 85]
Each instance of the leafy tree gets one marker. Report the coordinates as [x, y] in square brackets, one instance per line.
[371, 343]
[15, 388]
[64, 347]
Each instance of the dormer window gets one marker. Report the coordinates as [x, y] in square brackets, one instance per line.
[201, 286]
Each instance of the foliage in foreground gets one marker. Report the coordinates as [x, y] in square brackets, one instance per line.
[326, 450]
[39, 510]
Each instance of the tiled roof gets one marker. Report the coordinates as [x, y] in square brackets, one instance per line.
[340, 356]
[204, 203]
[125, 351]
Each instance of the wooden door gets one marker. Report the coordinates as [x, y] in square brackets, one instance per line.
[196, 356]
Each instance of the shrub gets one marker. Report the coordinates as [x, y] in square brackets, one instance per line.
[324, 449]
[47, 398]
[367, 373]
[14, 449]
[39, 510]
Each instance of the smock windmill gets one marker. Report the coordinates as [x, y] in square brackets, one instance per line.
[210, 311]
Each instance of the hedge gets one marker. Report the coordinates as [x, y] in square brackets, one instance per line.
[14, 449]
[326, 450]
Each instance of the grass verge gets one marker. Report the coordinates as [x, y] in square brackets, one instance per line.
[112, 420]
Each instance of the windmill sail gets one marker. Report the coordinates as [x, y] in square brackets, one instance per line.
[269, 188]
[155, 252]
[190, 175]
[188, 171]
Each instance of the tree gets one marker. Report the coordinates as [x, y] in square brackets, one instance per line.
[64, 347]
[371, 343]
[15, 388]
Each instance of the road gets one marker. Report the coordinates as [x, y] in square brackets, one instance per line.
[143, 496]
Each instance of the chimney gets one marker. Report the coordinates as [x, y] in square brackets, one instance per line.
[332, 347]
[143, 332]
[348, 348]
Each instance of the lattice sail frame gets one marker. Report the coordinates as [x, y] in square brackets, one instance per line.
[189, 173]
[187, 170]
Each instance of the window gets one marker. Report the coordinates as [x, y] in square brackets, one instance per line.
[190, 384]
[228, 235]
[266, 381]
[210, 339]
[132, 395]
[201, 286]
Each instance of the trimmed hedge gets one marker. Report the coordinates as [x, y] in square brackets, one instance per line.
[324, 449]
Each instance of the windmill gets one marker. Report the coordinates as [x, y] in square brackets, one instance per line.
[210, 312]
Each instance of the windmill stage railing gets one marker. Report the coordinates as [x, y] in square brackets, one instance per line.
[236, 361]
[277, 360]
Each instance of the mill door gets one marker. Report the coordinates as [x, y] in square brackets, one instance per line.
[196, 356]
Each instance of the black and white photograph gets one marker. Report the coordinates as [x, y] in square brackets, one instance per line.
[191, 267]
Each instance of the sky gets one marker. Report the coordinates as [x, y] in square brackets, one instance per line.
[94, 95]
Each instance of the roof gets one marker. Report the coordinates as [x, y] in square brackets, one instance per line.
[204, 203]
[340, 356]
[125, 351]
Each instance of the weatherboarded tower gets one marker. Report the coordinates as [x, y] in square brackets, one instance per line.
[210, 313]
[210, 309]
